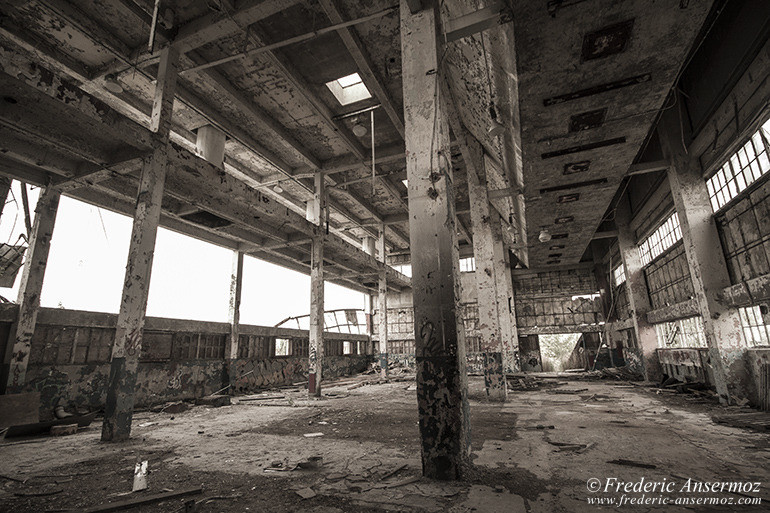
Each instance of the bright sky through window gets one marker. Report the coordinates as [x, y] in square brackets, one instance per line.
[349, 89]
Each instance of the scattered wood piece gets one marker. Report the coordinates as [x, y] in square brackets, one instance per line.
[9, 478]
[144, 499]
[42, 493]
[630, 463]
[404, 482]
[393, 472]
[260, 398]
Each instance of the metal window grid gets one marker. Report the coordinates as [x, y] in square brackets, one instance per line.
[665, 236]
[755, 331]
[742, 169]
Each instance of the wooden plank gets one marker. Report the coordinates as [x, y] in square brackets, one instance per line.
[141, 500]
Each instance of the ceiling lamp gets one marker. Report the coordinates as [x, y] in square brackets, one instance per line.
[277, 188]
[112, 85]
[359, 130]
[544, 235]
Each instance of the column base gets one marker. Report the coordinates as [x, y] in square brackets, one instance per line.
[384, 365]
[494, 377]
[119, 407]
[313, 386]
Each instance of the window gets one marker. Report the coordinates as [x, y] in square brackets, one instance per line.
[349, 89]
[405, 269]
[348, 347]
[755, 330]
[682, 333]
[281, 347]
[619, 275]
[661, 239]
[741, 170]
[467, 265]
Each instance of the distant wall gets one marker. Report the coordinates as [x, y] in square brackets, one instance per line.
[69, 360]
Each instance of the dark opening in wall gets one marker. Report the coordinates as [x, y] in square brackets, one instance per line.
[206, 219]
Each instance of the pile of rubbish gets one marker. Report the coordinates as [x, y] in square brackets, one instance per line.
[624, 373]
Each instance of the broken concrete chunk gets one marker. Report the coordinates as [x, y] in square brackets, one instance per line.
[306, 493]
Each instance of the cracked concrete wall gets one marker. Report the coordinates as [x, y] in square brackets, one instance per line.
[69, 361]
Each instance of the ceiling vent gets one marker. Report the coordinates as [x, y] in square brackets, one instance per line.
[597, 89]
[587, 120]
[606, 41]
[568, 198]
[206, 219]
[564, 220]
[574, 185]
[583, 147]
[556, 246]
[577, 167]
[560, 236]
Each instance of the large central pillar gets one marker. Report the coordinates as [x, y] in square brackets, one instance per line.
[382, 307]
[127, 347]
[636, 288]
[316, 343]
[442, 389]
[706, 261]
[483, 220]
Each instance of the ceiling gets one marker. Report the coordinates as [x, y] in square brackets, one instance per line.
[283, 124]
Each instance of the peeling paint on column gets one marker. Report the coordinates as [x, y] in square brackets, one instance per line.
[708, 269]
[31, 286]
[442, 393]
[126, 349]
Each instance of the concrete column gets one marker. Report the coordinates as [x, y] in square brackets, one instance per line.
[442, 388]
[706, 261]
[236, 286]
[127, 347]
[485, 252]
[210, 145]
[31, 287]
[316, 349]
[509, 332]
[636, 287]
[382, 307]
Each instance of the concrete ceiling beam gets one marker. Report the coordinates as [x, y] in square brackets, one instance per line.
[365, 68]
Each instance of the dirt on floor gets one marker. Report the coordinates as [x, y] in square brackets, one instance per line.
[357, 450]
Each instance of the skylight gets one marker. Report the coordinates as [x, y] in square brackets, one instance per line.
[349, 89]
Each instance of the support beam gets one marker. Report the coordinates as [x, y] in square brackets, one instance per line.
[31, 287]
[382, 307]
[126, 349]
[316, 343]
[442, 386]
[636, 288]
[494, 14]
[706, 261]
[236, 286]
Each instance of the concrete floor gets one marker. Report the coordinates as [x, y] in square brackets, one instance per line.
[520, 463]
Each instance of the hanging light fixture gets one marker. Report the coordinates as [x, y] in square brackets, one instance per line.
[112, 85]
[544, 235]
